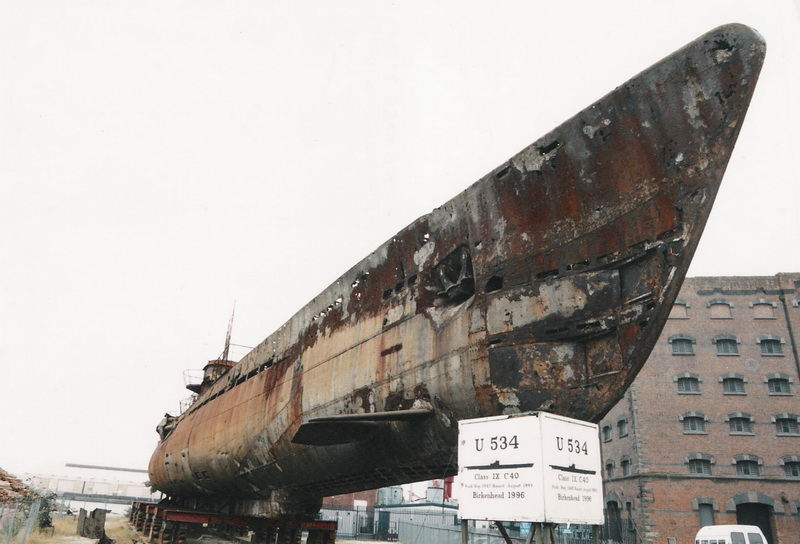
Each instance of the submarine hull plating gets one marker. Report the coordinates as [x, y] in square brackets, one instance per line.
[542, 286]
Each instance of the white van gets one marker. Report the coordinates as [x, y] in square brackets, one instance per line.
[730, 534]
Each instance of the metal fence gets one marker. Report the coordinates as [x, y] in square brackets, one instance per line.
[415, 533]
[17, 520]
[354, 523]
[412, 525]
[441, 525]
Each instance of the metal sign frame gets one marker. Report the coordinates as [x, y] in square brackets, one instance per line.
[533, 467]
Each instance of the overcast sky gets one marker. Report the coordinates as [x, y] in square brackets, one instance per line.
[160, 162]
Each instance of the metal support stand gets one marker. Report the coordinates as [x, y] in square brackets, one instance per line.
[172, 525]
[503, 532]
[464, 531]
[529, 539]
[546, 533]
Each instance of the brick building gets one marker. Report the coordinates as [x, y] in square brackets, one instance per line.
[708, 433]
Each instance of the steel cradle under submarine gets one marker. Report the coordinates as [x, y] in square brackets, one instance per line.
[542, 286]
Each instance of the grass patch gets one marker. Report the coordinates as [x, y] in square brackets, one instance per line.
[118, 528]
[65, 531]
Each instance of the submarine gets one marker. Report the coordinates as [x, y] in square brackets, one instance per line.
[542, 286]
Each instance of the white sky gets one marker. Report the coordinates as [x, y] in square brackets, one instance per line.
[159, 161]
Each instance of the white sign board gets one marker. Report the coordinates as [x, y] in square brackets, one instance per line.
[535, 467]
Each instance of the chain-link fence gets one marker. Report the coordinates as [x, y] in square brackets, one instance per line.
[20, 517]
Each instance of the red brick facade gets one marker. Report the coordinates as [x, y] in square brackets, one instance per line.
[370, 497]
[709, 429]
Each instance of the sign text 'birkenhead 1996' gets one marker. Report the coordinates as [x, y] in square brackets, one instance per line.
[535, 467]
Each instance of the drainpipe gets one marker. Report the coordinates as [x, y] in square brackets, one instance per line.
[790, 330]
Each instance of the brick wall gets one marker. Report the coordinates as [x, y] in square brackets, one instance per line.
[739, 313]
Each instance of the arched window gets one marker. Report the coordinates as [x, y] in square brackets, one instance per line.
[720, 309]
[786, 424]
[791, 466]
[779, 384]
[771, 345]
[763, 309]
[688, 383]
[680, 310]
[727, 344]
[740, 423]
[625, 465]
[693, 423]
[732, 384]
[682, 344]
[747, 466]
[622, 427]
[699, 463]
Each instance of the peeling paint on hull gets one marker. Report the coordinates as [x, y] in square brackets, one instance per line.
[544, 285]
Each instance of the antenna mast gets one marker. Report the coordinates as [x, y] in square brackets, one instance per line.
[224, 356]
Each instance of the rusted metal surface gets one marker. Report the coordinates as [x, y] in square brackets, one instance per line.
[544, 285]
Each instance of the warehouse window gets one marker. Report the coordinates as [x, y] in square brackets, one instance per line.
[726, 344]
[720, 309]
[740, 423]
[791, 466]
[687, 383]
[699, 463]
[680, 310]
[779, 384]
[609, 469]
[700, 466]
[732, 384]
[622, 427]
[682, 344]
[625, 465]
[693, 423]
[747, 466]
[763, 309]
[786, 424]
[770, 345]
[606, 433]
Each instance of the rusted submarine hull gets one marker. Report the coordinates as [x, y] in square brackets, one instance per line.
[544, 285]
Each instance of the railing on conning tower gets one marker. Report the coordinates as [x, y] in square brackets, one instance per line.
[192, 378]
[198, 381]
[186, 403]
